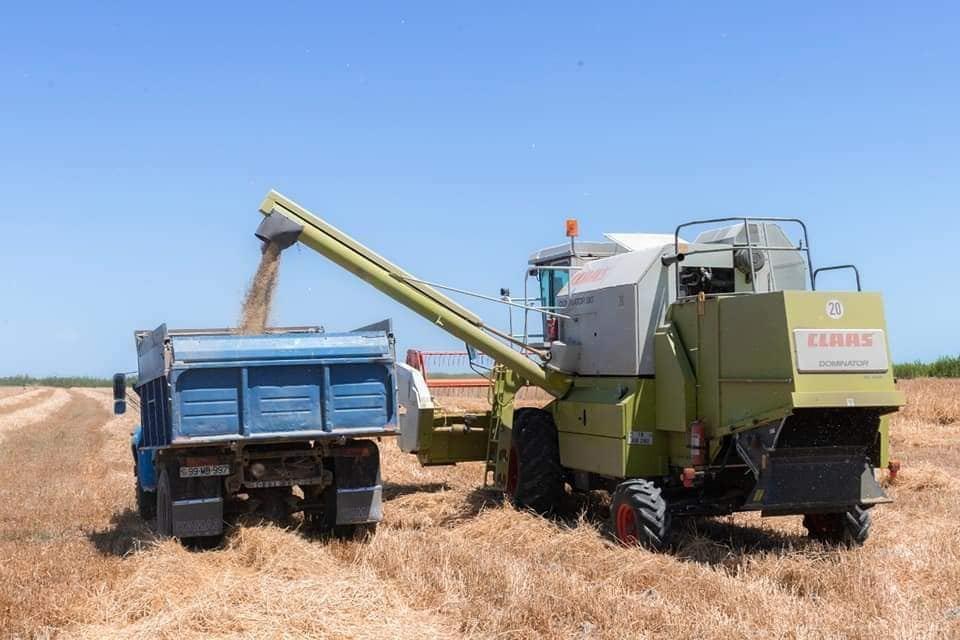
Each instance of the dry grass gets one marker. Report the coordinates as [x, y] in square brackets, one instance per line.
[12, 404]
[931, 400]
[12, 396]
[449, 561]
[41, 406]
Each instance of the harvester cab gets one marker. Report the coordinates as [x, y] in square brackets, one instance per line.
[689, 378]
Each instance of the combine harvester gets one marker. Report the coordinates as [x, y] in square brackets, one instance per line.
[689, 378]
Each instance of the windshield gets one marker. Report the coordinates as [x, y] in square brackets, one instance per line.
[551, 282]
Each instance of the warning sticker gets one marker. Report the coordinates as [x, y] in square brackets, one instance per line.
[641, 437]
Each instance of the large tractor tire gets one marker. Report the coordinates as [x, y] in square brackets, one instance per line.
[849, 528]
[534, 474]
[164, 504]
[639, 515]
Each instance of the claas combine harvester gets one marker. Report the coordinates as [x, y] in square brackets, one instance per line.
[689, 378]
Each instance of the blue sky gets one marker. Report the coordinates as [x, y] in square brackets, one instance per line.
[138, 139]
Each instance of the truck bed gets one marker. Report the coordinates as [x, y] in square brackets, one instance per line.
[216, 388]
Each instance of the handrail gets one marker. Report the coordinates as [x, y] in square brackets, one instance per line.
[856, 273]
[746, 220]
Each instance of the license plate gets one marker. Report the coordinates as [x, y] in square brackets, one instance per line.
[205, 470]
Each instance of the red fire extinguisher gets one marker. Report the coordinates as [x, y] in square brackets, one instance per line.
[553, 329]
[698, 443]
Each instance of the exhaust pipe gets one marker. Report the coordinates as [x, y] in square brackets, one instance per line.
[280, 230]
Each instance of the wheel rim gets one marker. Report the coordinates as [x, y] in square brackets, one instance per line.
[626, 520]
[513, 471]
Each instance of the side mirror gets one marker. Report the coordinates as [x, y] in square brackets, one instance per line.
[119, 394]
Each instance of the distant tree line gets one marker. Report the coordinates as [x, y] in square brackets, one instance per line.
[55, 381]
[945, 367]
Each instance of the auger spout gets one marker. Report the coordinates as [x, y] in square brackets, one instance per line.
[287, 222]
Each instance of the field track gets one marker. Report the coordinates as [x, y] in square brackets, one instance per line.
[450, 561]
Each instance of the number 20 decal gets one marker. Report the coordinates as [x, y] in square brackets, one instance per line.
[835, 309]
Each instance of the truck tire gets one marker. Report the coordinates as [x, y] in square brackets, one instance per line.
[848, 528]
[359, 532]
[639, 515]
[534, 473]
[164, 504]
[146, 503]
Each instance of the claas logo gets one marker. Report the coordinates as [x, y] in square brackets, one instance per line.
[839, 339]
[593, 275]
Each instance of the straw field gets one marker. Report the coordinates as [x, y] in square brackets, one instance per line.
[451, 562]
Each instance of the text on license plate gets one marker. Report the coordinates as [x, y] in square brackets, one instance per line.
[205, 470]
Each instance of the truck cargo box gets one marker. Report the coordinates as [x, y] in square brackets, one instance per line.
[196, 387]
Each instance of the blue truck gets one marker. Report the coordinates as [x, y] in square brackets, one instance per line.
[271, 425]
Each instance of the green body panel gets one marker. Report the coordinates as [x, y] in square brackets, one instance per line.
[676, 384]
[884, 458]
[451, 438]
[744, 365]
[595, 421]
[506, 384]
[862, 311]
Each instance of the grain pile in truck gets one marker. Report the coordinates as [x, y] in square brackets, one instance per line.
[680, 375]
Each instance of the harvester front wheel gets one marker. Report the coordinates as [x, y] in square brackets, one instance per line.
[849, 528]
[535, 477]
[639, 515]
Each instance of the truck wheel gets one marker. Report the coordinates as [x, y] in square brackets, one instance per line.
[849, 528]
[534, 474]
[146, 503]
[355, 531]
[164, 505]
[639, 515]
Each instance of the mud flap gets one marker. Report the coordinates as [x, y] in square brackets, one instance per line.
[359, 491]
[815, 479]
[200, 517]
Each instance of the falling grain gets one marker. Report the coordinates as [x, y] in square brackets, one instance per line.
[259, 298]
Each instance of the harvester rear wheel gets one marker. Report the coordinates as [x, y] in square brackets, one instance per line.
[849, 528]
[535, 477]
[639, 515]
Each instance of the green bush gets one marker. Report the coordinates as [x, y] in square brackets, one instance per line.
[944, 367]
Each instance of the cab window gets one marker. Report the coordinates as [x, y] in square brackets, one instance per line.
[551, 282]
